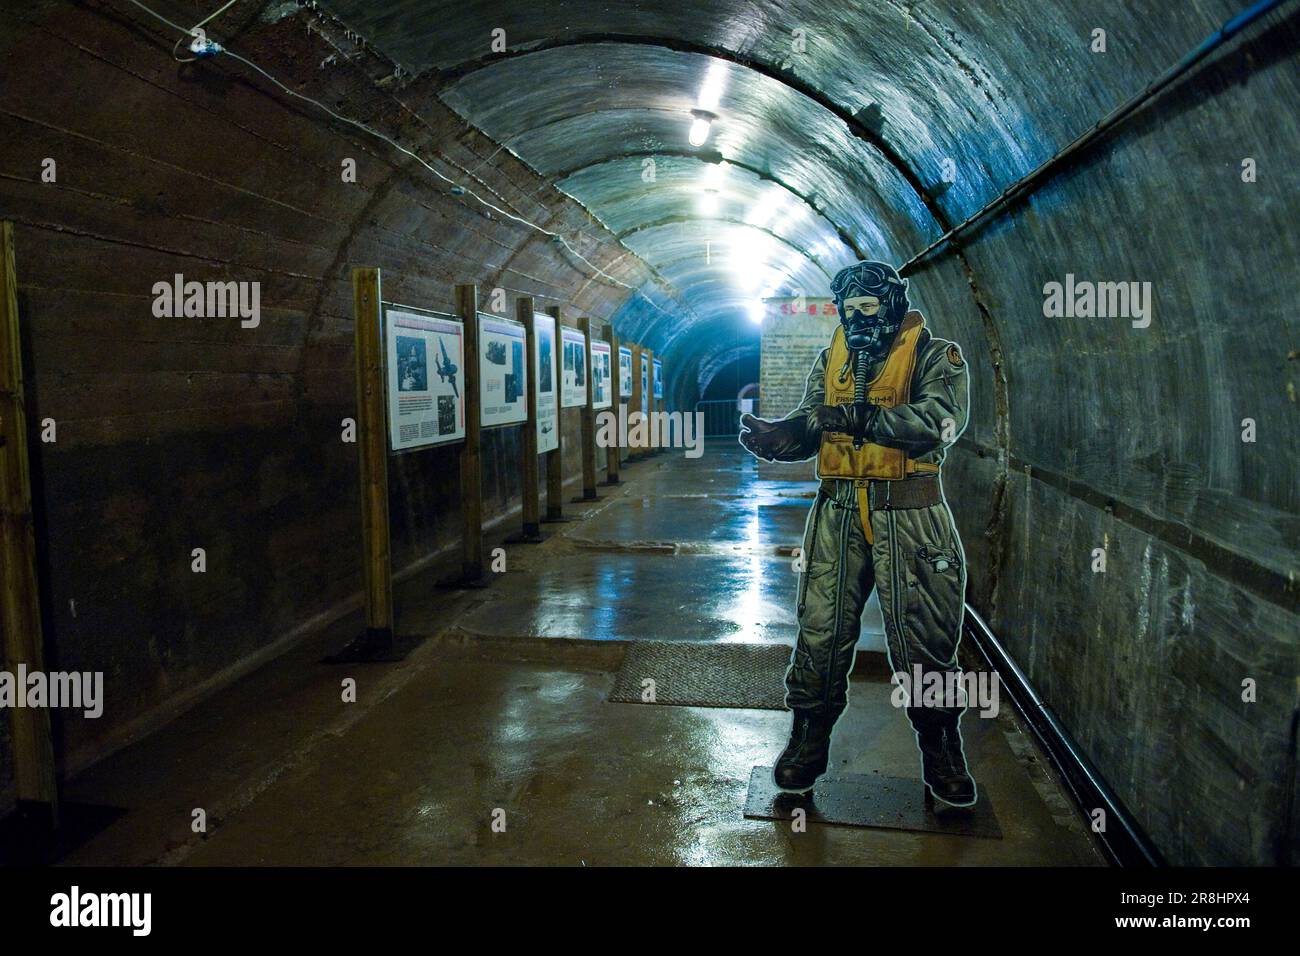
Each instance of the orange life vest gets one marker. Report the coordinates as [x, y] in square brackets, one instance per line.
[893, 386]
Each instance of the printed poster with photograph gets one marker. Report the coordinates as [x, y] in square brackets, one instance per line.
[547, 378]
[601, 392]
[573, 388]
[426, 378]
[659, 379]
[503, 372]
[645, 382]
[624, 373]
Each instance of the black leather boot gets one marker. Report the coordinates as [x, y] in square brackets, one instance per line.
[943, 764]
[805, 756]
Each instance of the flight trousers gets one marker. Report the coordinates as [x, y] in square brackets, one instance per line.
[915, 562]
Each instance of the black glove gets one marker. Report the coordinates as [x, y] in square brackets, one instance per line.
[850, 419]
[829, 418]
[786, 440]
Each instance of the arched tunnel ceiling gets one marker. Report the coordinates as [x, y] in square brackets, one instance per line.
[840, 116]
[574, 108]
[559, 107]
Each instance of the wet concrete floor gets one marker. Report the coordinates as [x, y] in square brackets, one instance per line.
[500, 717]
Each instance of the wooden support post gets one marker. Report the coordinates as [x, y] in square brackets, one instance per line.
[20, 609]
[587, 439]
[372, 446]
[531, 533]
[634, 452]
[377, 642]
[555, 457]
[625, 409]
[662, 406]
[652, 448]
[613, 452]
[472, 570]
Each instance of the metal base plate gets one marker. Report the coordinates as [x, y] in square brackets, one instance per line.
[374, 648]
[522, 538]
[869, 800]
[458, 582]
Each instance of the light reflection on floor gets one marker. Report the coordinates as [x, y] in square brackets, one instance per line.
[415, 772]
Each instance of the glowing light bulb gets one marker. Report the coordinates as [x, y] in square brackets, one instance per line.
[699, 134]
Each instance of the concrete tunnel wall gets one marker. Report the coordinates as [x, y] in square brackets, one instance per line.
[1130, 440]
[1084, 433]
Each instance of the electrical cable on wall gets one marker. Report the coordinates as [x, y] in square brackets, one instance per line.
[203, 48]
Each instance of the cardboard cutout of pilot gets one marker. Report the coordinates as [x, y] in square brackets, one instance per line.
[881, 405]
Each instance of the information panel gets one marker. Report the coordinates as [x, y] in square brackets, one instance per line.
[659, 379]
[503, 373]
[547, 379]
[624, 373]
[426, 361]
[645, 382]
[601, 392]
[573, 390]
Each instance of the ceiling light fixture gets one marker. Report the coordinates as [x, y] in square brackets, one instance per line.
[699, 134]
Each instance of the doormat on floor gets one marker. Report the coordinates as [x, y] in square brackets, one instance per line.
[869, 800]
[703, 675]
